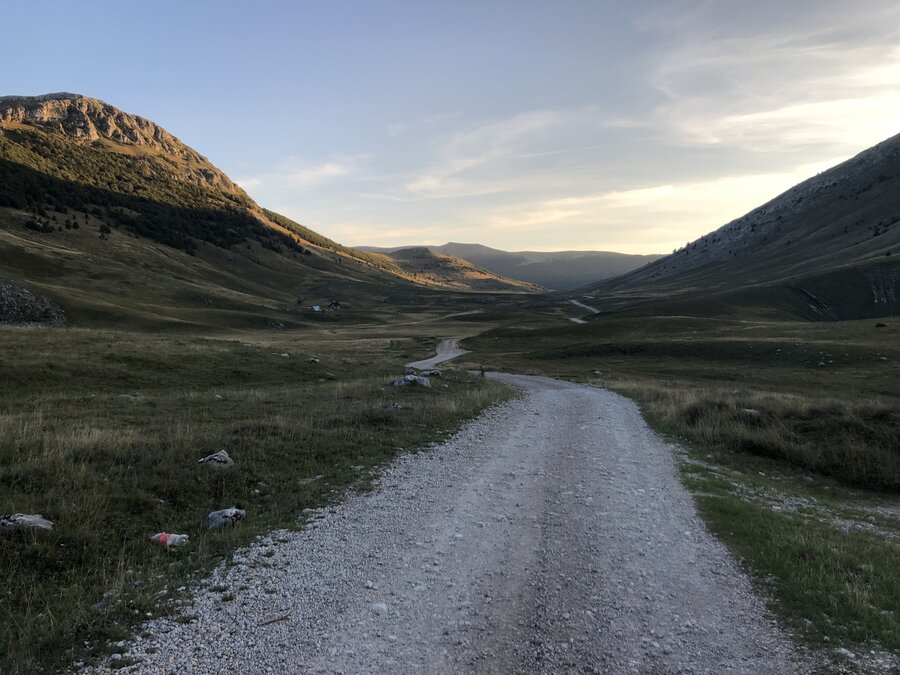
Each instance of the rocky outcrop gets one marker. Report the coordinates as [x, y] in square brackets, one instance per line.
[90, 120]
[18, 306]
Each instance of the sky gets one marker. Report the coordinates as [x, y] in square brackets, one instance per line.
[605, 125]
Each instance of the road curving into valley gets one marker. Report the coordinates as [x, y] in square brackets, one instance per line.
[447, 349]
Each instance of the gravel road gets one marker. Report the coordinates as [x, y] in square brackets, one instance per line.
[578, 303]
[446, 350]
[549, 535]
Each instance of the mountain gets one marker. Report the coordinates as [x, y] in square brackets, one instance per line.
[560, 270]
[828, 248]
[114, 219]
[451, 271]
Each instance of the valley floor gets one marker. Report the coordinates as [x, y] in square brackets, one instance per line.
[550, 534]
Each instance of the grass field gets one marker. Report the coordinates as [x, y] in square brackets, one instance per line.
[795, 464]
[792, 438]
[101, 431]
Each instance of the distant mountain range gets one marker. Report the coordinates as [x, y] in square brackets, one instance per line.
[436, 267]
[114, 219]
[828, 248]
[561, 270]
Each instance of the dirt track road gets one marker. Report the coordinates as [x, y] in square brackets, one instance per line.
[550, 535]
[448, 349]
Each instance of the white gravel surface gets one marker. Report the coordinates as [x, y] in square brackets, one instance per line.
[446, 350]
[550, 535]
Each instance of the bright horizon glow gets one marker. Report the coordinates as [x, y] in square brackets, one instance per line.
[518, 125]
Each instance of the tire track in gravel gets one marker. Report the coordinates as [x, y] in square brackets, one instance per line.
[549, 535]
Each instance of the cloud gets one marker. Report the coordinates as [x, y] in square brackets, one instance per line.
[650, 218]
[828, 79]
[496, 156]
[295, 173]
[249, 183]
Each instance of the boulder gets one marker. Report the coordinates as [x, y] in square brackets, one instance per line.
[217, 460]
[412, 379]
[225, 518]
[23, 522]
[18, 306]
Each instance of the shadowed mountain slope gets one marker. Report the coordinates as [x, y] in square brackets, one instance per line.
[828, 248]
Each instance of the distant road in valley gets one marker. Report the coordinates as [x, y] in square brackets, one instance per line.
[448, 349]
[578, 303]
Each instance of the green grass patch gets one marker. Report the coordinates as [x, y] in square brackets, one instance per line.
[834, 587]
[110, 470]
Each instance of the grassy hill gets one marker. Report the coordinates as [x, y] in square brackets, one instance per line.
[120, 223]
[826, 249]
[451, 271]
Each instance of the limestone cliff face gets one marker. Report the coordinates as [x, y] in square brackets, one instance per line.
[89, 120]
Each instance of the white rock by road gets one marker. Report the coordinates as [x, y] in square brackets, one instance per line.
[550, 535]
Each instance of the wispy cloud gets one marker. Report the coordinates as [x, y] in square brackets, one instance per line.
[832, 81]
[493, 156]
[651, 218]
[296, 173]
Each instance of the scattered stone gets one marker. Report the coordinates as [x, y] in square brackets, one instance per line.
[882, 358]
[217, 460]
[430, 373]
[284, 355]
[225, 518]
[274, 325]
[379, 608]
[307, 481]
[125, 398]
[846, 653]
[750, 412]
[821, 364]
[217, 397]
[392, 406]
[22, 522]
[314, 359]
[412, 379]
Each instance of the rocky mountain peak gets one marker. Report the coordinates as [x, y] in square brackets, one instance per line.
[90, 120]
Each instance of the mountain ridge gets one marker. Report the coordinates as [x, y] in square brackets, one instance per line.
[558, 270]
[825, 246]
